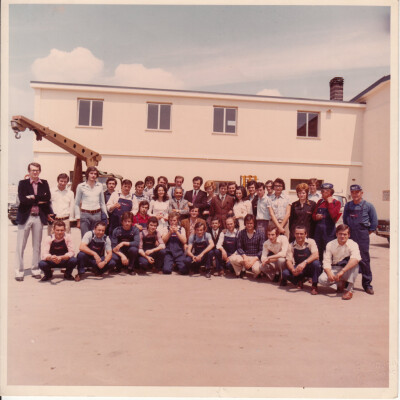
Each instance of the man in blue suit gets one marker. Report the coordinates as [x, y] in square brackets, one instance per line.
[33, 212]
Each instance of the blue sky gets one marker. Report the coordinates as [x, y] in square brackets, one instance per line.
[290, 51]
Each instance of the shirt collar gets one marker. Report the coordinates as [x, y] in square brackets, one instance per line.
[32, 181]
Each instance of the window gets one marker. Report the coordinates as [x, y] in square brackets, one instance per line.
[295, 182]
[224, 120]
[307, 124]
[159, 116]
[90, 112]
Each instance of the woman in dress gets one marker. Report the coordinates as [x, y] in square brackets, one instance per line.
[209, 187]
[301, 211]
[159, 206]
[241, 207]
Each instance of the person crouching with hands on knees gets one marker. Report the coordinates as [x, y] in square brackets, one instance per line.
[125, 244]
[198, 251]
[151, 247]
[58, 252]
[95, 252]
[302, 261]
[341, 259]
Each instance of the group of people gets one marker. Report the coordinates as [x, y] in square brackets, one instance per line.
[161, 227]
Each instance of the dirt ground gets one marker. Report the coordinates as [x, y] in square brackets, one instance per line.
[176, 330]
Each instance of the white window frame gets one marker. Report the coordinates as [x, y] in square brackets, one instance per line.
[224, 120]
[159, 116]
[318, 126]
[90, 113]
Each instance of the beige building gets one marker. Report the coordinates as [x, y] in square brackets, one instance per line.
[220, 136]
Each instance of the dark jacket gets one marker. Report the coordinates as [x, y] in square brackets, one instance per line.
[201, 199]
[25, 188]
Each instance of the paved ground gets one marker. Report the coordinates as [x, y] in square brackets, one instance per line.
[191, 331]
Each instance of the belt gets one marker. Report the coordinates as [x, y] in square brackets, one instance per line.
[91, 211]
[34, 214]
[60, 218]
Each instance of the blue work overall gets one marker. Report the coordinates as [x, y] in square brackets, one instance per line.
[149, 243]
[115, 216]
[312, 270]
[58, 249]
[129, 251]
[175, 254]
[197, 248]
[85, 259]
[325, 231]
[360, 234]
[230, 246]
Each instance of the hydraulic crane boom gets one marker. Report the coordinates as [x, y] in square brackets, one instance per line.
[82, 153]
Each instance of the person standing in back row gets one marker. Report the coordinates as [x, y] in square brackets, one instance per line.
[361, 217]
[89, 202]
[33, 212]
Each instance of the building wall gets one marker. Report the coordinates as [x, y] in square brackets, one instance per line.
[376, 148]
[265, 145]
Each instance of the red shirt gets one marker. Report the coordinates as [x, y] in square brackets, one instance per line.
[333, 209]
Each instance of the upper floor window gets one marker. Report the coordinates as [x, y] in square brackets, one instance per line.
[158, 116]
[307, 124]
[90, 112]
[224, 120]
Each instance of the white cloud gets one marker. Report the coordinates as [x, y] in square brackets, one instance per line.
[81, 66]
[269, 92]
[78, 66]
[139, 75]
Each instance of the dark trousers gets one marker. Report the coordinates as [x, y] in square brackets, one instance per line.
[312, 270]
[85, 261]
[195, 266]
[217, 255]
[69, 266]
[131, 253]
[158, 257]
[178, 259]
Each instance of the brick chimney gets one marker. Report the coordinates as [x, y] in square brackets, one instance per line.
[336, 85]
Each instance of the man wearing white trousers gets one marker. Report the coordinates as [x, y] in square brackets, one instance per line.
[33, 212]
[340, 263]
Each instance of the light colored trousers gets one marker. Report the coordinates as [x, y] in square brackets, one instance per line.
[238, 264]
[274, 267]
[349, 276]
[35, 225]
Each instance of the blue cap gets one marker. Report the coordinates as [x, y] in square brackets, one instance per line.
[355, 187]
[327, 186]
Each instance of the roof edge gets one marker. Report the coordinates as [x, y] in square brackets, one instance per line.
[369, 88]
[189, 91]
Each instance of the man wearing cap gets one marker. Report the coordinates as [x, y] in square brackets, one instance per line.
[361, 217]
[326, 213]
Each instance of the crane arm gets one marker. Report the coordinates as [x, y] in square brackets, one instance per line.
[20, 124]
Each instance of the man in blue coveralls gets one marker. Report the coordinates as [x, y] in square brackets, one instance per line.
[361, 217]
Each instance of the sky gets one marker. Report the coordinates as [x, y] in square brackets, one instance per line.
[289, 51]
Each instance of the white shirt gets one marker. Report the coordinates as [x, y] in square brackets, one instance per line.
[262, 208]
[116, 196]
[62, 202]
[92, 198]
[335, 252]
[279, 248]
[310, 243]
[279, 205]
[314, 197]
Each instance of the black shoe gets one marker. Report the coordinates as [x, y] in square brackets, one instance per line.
[19, 278]
[276, 278]
[242, 274]
[131, 272]
[45, 278]
[69, 277]
[208, 274]
[369, 290]
[283, 282]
